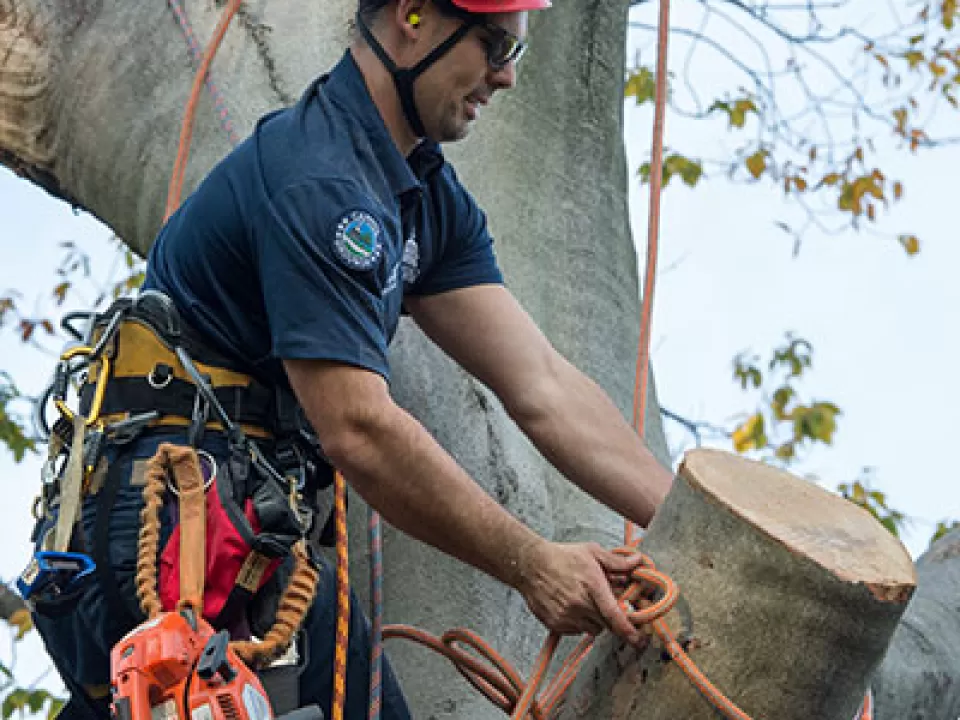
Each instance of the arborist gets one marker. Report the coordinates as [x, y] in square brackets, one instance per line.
[261, 339]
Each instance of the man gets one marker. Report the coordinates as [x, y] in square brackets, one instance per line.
[294, 258]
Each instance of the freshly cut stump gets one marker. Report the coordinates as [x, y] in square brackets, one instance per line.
[789, 594]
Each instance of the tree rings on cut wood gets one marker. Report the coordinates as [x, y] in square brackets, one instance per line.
[789, 598]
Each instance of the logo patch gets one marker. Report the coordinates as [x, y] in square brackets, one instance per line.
[357, 242]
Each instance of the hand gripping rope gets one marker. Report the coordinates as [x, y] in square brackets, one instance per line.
[497, 679]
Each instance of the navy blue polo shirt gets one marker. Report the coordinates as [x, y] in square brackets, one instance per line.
[304, 240]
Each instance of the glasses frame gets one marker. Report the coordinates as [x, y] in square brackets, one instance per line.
[498, 36]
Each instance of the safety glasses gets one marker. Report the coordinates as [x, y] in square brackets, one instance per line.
[503, 47]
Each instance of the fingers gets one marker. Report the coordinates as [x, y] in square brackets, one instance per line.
[615, 563]
[569, 590]
[613, 615]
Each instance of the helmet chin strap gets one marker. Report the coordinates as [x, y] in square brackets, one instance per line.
[404, 78]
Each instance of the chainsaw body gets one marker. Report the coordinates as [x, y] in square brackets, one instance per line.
[175, 667]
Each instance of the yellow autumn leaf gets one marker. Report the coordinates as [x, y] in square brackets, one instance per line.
[757, 163]
[21, 620]
[750, 435]
[910, 243]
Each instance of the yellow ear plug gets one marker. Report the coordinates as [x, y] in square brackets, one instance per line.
[414, 19]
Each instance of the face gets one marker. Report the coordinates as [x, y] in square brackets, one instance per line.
[454, 91]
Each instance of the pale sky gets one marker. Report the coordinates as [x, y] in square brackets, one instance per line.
[883, 325]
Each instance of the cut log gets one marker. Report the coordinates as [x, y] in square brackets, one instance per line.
[789, 599]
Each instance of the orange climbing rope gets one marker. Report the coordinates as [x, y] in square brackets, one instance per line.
[343, 598]
[175, 188]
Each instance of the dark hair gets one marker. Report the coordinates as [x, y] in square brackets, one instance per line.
[368, 9]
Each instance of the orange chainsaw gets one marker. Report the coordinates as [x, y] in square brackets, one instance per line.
[175, 667]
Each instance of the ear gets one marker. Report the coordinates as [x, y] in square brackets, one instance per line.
[410, 15]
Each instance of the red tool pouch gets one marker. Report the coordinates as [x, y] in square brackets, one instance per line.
[250, 529]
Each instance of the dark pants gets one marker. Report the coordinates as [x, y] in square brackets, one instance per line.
[80, 633]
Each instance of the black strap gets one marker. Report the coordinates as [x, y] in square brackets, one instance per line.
[404, 78]
[121, 613]
[254, 405]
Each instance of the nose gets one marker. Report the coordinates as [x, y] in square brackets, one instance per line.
[505, 78]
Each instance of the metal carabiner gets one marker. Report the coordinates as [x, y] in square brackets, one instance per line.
[100, 390]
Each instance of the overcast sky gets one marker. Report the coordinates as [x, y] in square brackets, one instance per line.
[883, 326]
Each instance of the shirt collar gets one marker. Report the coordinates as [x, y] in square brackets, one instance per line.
[346, 88]
[425, 160]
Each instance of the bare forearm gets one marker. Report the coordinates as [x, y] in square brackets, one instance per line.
[598, 450]
[400, 470]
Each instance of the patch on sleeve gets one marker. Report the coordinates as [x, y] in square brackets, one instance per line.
[357, 242]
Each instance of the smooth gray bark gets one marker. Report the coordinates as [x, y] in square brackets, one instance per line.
[91, 99]
[920, 676]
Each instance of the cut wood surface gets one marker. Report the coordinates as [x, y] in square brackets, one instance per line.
[789, 598]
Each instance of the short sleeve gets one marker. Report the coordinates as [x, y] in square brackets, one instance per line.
[320, 248]
[467, 256]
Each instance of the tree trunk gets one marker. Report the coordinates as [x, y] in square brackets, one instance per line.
[920, 676]
[91, 100]
[790, 598]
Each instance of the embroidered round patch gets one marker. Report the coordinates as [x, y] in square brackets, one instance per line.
[357, 242]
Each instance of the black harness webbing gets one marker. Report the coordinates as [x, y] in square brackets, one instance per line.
[404, 78]
[122, 613]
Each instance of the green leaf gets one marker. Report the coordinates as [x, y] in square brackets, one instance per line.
[736, 111]
[641, 84]
[786, 452]
[689, 171]
[943, 528]
[14, 702]
[36, 700]
[746, 371]
[781, 399]
[56, 705]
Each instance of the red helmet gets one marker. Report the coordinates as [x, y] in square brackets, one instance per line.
[495, 6]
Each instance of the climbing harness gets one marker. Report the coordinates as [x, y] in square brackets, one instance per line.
[136, 371]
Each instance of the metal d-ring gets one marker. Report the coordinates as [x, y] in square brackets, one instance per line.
[158, 384]
[202, 456]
